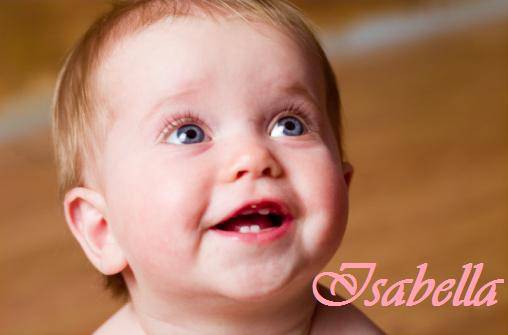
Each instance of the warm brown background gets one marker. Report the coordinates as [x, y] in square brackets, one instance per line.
[426, 128]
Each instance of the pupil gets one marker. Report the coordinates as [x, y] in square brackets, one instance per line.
[290, 125]
[191, 133]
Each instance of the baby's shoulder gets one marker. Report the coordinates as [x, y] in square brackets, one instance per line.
[342, 320]
[122, 322]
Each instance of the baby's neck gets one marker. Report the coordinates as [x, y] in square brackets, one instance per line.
[290, 317]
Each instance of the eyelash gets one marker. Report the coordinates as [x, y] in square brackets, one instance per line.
[180, 119]
[177, 120]
[299, 111]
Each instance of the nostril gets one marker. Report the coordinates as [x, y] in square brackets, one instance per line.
[240, 174]
[266, 172]
[259, 165]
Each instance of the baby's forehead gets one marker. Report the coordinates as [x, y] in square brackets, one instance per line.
[196, 54]
[180, 39]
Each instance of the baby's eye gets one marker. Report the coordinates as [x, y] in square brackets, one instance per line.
[187, 134]
[288, 126]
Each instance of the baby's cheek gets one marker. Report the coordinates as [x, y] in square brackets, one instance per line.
[325, 200]
[146, 231]
[157, 218]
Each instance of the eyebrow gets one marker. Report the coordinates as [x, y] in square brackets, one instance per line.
[299, 89]
[293, 89]
[153, 110]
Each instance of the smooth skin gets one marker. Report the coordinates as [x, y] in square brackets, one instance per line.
[148, 206]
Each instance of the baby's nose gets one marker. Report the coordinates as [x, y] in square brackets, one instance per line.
[251, 159]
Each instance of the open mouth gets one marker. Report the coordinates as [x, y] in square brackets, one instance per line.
[255, 218]
[251, 223]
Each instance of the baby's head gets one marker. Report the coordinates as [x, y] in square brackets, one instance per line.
[199, 152]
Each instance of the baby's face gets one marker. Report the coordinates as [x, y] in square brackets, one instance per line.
[209, 117]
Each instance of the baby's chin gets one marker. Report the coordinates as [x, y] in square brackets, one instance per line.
[255, 290]
[262, 283]
[256, 276]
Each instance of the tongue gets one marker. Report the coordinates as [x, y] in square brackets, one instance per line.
[236, 223]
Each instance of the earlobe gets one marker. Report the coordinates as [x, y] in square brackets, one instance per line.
[347, 171]
[85, 213]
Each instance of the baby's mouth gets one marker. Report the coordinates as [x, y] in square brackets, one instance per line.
[255, 217]
[252, 223]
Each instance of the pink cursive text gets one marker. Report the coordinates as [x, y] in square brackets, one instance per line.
[409, 292]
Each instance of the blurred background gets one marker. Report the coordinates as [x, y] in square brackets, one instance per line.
[425, 94]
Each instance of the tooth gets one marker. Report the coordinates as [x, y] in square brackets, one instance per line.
[244, 229]
[264, 211]
[254, 229]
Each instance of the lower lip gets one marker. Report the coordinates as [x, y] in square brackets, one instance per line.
[263, 236]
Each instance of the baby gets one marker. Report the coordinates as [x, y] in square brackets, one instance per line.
[201, 168]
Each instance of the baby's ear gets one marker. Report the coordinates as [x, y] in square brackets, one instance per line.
[85, 213]
[347, 170]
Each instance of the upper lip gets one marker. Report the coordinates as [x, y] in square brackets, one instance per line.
[275, 206]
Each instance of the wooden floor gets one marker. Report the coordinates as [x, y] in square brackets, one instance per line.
[427, 131]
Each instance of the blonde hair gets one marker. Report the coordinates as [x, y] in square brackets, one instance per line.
[79, 125]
